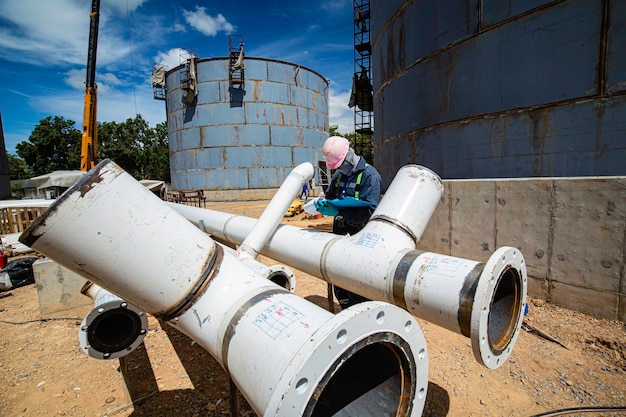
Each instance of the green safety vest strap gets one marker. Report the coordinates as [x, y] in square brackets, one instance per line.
[357, 187]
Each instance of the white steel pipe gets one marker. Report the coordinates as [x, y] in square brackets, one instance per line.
[275, 210]
[288, 356]
[484, 302]
[114, 328]
[278, 274]
[265, 227]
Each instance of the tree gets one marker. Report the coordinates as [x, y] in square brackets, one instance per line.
[18, 169]
[157, 155]
[54, 144]
[141, 151]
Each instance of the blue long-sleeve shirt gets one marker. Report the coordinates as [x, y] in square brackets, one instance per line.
[345, 186]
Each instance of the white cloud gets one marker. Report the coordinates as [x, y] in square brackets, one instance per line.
[178, 28]
[205, 24]
[110, 79]
[55, 33]
[121, 6]
[75, 78]
[172, 58]
[335, 6]
[338, 111]
[114, 105]
[42, 32]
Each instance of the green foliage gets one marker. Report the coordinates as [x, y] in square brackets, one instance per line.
[18, 169]
[140, 150]
[54, 144]
[16, 190]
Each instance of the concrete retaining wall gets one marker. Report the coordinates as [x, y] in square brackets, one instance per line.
[571, 231]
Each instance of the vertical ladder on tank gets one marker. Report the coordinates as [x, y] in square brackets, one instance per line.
[362, 85]
[235, 65]
[188, 82]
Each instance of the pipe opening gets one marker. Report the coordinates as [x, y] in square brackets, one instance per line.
[281, 280]
[505, 309]
[376, 377]
[114, 330]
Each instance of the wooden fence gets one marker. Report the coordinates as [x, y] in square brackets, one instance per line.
[17, 219]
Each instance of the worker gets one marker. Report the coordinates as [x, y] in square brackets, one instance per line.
[357, 182]
[304, 193]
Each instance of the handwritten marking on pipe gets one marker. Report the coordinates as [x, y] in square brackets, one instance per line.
[368, 240]
[444, 266]
[274, 319]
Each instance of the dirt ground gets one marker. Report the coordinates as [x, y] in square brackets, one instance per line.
[563, 359]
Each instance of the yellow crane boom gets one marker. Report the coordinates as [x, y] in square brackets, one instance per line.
[89, 144]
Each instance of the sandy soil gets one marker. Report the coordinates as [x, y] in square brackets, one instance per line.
[562, 359]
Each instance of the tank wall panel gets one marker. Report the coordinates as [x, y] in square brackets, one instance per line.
[318, 101]
[211, 93]
[209, 157]
[265, 177]
[512, 66]
[419, 30]
[257, 156]
[524, 88]
[216, 68]
[287, 136]
[283, 74]
[616, 47]
[270, 93]
[190, 141]
[495, 11]
[235, 135]
[216, 114]
[574, 138]
[302, 155]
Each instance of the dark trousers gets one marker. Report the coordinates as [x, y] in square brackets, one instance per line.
[344, 297]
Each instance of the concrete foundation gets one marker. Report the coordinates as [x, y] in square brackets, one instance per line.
[572, 232]
[58, 290]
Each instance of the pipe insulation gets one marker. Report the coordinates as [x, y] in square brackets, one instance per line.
[481, 301]
[286, 355]
[114, 328]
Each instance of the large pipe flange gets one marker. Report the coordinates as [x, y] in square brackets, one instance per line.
[114, 328]
[371, 356]
[498, 309]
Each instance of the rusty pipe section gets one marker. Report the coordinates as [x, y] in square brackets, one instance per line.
[305, 361]
[482, 301]
[114, 328]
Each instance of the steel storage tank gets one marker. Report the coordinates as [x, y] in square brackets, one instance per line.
[485, 88]
[240, 140]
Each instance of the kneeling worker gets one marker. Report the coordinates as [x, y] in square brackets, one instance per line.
[358, 180]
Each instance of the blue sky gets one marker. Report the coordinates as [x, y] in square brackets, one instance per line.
[43, 52]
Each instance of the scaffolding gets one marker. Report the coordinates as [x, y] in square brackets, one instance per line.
[362, 94]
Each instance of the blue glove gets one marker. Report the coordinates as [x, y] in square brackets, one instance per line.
[325, 207]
